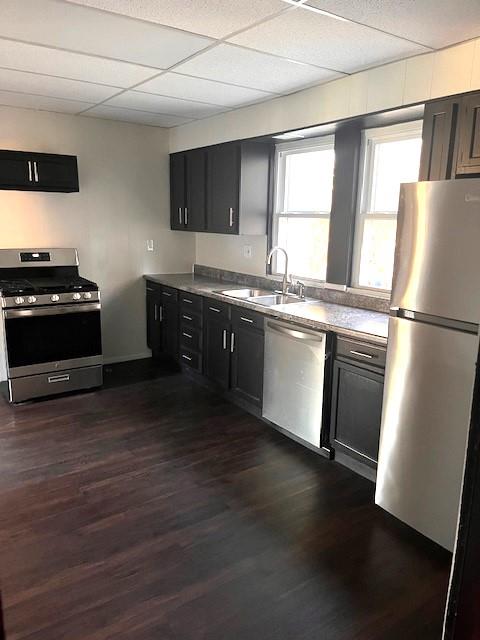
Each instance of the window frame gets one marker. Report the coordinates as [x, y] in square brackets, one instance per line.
[282, 151]
[370, 137]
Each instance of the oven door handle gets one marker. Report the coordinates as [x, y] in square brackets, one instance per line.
[59, 310]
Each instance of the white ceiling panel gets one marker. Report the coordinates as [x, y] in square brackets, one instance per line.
[227, 63]
[214, 18]
[164, 104]
[77, 66]
[316, 39]
[23, 81]
[187, 87]
[434, 23]
[41, 103]
[139, 117]
[69, 26]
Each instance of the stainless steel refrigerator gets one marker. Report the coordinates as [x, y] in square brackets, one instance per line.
[431, 355]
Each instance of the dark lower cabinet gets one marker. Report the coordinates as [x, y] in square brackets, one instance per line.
[170, 323]
[24, 171]
[247, 359]
[356, 411]
[154, 324]
[217, 348]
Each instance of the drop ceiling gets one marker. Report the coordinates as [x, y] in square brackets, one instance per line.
[167, 62]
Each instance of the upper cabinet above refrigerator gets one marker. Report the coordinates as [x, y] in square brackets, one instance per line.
[25, 171]
[437, 257]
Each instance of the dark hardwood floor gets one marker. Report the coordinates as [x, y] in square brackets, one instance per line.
[156, 510]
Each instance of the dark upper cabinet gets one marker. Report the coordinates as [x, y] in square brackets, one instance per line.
[196, 190]
[247, 356]
[217, 346]
[468, 153]
[26, 171]
[177, 191]
[438, 139]
[154, 324]
[223, 188]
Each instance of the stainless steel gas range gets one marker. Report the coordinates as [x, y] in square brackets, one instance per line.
[51, 323]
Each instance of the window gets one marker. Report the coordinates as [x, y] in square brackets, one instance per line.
[391, 156]
[302, 206]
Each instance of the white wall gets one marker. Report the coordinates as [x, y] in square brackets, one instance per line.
[227, 252]
[421, 78]
[123, 201]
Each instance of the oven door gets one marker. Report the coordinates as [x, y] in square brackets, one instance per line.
[44, 339]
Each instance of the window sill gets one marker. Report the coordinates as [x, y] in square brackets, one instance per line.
[381, 293]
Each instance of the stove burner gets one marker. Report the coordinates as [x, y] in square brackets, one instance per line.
[45, 285]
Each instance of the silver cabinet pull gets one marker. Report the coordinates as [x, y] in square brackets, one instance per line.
[35, 171]
[187, 335]
[187, 317]
[165, 293]
[155, 312]
[246, 319]
[186, 215]
[186, 357]
[361, 354]
[30, 171]
[230, 211]
[187, 300]
[224, 339]
[214, 309]
[232, 342]
[180, 215]
[160, 313]
[65, 377]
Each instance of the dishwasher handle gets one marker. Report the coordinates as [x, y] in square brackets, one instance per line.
[295, 333]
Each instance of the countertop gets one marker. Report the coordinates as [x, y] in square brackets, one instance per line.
[371, 326]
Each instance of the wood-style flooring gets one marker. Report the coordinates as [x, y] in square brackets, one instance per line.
[157, 510]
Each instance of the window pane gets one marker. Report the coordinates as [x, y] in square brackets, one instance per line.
[306, 242]
[394, 162]
[376, 258]
[309, 181]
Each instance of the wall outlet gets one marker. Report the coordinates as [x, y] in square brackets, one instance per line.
[247, 251]
[149, 245]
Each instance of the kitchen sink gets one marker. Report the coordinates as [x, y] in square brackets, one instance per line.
[274, 299]
[245, 294]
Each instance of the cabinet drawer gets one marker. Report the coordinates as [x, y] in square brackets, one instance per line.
[191, 359]
[190, 338]
[189, 319]
[361, 352]
[169, 294]
[190, 303]
[248, 318]
[153, 287]
[218, 309]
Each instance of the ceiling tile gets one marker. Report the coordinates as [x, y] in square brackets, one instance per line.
[54, 87]
[214, 18]
[42, 103]
[316, 39]
[227, 63]
[76, 28]
[163, 104]
[139, 117]
[434, 23]
[77, 66]
[187, 87]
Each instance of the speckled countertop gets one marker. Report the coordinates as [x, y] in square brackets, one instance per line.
[371, 326]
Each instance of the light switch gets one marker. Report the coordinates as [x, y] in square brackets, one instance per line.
[149, 245]
[247, 251]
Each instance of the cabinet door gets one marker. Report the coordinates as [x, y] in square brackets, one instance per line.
[217, 349]
[55, 172]
[154, 326]
[14, 171]
[468, 157]
[356, 412]
[177, 191]
[170, 328]
[438, 139]
[223, 188]
[196, 190]
[247, 363]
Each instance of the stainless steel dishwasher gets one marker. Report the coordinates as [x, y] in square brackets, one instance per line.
[294, 376]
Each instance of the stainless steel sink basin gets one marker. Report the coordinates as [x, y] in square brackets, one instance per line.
[274, 299]
[245, 294]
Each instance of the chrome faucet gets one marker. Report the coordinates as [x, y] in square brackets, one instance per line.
[286, 278]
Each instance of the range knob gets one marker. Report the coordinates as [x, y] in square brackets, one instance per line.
[76, 296]
[31, 299]
[87, 295]
[19, 300]
[55, 298]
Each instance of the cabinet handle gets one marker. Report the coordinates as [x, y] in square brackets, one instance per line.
[187, 317]
[224, 339]
[180, 215]
[186, 215]
[231, 216]
[160, 313]
[232, 342]
[186, 357]
[155, 312]
[64, 377]
[361, 354]
[30, 171]
[187, 300]
[214, 309]
[35, 171]
[246, 319]
[187, 335]
[165, 293]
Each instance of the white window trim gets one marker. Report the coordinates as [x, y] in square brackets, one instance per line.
[370, 137]
[282, 150]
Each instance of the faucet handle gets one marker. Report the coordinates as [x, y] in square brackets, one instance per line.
[300, 288]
